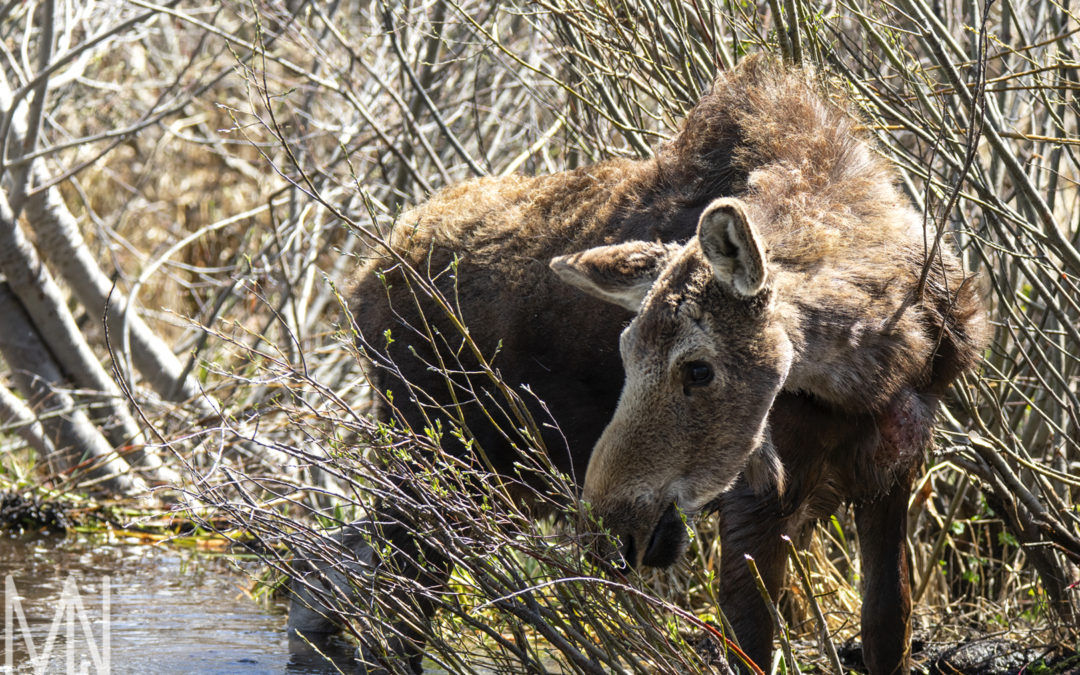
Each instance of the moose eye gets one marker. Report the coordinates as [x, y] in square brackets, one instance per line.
[697, 374]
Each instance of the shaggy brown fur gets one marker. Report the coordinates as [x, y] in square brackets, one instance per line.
[849, 423]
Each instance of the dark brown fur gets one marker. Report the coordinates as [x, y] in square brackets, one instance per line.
[858, 435]
[561, 343]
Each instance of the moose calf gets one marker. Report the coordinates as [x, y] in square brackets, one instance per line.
[786, 358]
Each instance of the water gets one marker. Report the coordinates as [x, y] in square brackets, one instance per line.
[170, 611]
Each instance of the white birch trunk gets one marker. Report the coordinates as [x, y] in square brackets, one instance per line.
[43, 302]
[17, 417]
[78, 442]
[60, 240]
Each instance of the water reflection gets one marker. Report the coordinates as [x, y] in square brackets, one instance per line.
[170, 612]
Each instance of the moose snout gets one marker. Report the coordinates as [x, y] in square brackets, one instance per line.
[652, 543]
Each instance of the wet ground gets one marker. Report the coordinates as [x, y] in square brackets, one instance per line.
[169, 611]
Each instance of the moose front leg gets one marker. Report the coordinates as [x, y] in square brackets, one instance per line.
[751, 526]
[886, 609]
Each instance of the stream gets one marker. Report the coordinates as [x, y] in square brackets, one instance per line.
[170, 610]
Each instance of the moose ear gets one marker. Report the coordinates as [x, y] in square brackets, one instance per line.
[620, 273]
[733, 247]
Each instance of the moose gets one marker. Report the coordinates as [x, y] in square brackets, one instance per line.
[749, 322]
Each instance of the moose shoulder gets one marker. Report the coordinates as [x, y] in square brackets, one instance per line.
[781, 360]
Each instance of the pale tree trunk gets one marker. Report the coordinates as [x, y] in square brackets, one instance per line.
[78, 443]
[18, 417]
[60, 240]
[41, 342]
[43, 302]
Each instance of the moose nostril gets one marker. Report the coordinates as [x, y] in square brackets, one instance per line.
[668, 540]
[627, 550]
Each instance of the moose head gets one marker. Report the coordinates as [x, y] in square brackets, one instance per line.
[705, 357]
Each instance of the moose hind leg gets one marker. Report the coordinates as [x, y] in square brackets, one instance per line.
[342, 581]
[886, 609]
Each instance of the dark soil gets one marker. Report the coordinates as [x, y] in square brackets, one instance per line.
[982, 656]
[986, 656]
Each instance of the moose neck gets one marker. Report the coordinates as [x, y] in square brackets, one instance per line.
[842, 266]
